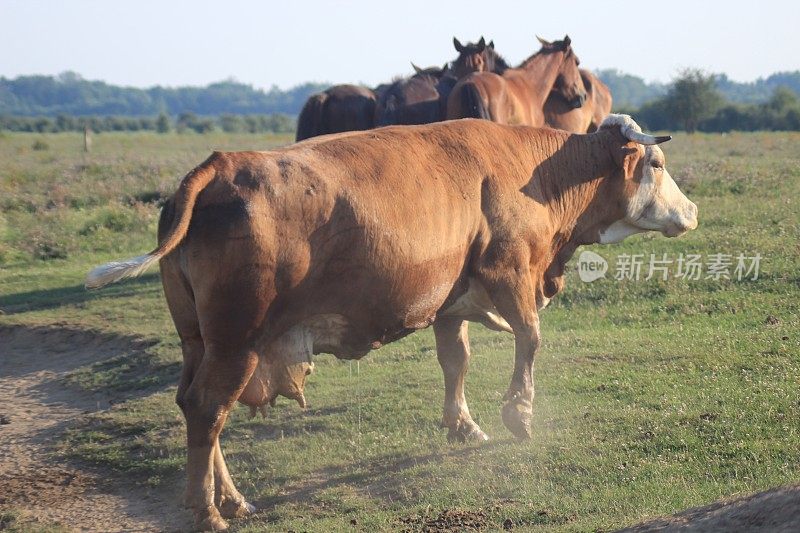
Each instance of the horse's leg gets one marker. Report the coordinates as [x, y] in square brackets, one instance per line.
[452, 349]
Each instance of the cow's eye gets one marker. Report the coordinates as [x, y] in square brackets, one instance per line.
[656, 164]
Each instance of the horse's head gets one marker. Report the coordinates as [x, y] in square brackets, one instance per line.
[569, 83]
[471, 58]
[436, 72]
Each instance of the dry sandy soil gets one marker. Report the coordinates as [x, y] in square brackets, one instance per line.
[36, 406]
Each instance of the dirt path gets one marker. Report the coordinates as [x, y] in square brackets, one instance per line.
[772, 511]
[36, 407]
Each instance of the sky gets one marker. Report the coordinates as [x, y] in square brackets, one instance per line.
[143, 43]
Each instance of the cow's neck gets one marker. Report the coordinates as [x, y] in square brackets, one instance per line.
[541, 71]
[569, 183]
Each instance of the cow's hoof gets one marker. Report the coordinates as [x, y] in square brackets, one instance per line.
[467, 433]
[236, 509]
[209, 519]
[517, 414]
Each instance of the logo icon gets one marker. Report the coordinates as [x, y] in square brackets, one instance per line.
[591, 266]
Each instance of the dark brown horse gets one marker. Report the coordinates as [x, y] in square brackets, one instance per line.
[422, 98]
[476, 57]
[340, 108]
[518, 95]
[412, 100]
[559, 114]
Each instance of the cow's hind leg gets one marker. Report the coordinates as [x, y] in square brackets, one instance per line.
[219, 380]
[452, 348]
[229, 501]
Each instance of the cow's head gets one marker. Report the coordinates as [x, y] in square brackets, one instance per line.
[646, 195]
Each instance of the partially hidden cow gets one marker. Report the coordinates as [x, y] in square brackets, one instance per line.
[344, 243]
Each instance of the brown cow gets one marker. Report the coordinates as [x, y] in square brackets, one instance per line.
[560, 114]
[343, 243]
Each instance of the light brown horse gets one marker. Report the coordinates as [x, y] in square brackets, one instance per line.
[518, 95]
[558, 113]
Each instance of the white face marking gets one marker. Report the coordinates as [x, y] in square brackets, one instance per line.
[618, 231]
[659, 205]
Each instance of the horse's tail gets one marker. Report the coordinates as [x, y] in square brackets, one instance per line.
[178, 217]
[471, 102]
[309, 123]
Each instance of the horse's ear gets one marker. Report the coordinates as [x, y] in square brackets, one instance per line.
[567, 41]
[445, 67]
[416, 68]
[481, 44]
[458, 45]
[491, 44]
[542, 41]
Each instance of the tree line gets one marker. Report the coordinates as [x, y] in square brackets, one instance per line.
[694, 102]
[631, 92]
[163, 123]
[70, 94]
[67, 102]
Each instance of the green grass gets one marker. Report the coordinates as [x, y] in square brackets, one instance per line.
[651, 396]
[13, 521]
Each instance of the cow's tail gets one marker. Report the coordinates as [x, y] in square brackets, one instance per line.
[183, 200]
[309, 123]
[472, 104]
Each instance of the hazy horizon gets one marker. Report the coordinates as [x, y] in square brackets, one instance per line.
[147, 43]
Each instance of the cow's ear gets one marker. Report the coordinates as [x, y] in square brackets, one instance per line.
[627, 157]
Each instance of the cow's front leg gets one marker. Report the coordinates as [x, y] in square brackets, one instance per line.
[514, 295]
[518, 409]
[452, 349]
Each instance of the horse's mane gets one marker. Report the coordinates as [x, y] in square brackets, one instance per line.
[549, 48]
[500, 64]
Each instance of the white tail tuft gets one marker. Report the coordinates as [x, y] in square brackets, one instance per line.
[117, 270]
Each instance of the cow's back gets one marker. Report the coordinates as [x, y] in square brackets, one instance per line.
[373, 228]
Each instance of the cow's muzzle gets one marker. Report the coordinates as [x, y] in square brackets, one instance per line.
[684, 223]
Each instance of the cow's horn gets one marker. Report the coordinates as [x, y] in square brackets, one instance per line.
[643, 138]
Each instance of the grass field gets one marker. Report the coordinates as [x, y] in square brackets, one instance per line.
[652, 395]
